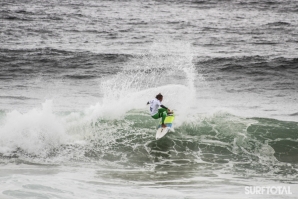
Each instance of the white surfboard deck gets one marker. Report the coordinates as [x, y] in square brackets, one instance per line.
[163, 131]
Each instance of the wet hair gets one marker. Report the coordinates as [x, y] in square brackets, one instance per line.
[159, 96]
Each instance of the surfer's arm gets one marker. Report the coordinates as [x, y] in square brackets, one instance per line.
[148, 103]
[162, 106]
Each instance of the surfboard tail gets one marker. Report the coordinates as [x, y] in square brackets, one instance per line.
[169, 125]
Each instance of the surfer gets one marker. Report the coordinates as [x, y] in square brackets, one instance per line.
[156, 111]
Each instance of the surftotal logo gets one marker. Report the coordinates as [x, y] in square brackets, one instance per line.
[270, 190]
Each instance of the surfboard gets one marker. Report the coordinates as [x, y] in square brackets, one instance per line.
[163, 131]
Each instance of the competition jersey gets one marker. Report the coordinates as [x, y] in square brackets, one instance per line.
[154, 106]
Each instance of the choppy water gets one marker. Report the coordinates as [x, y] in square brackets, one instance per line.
[75, 77]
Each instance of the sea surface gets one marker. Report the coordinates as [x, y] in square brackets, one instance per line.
[75, 77]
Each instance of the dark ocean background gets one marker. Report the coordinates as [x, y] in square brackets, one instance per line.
[75, 77]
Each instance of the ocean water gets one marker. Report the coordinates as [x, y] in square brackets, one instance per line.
[75, 77]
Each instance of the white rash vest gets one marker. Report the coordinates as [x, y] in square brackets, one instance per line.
[154, 106]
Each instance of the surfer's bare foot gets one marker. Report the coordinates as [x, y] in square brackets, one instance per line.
[163, 126]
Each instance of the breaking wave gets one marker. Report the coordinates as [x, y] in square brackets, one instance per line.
[118, 130]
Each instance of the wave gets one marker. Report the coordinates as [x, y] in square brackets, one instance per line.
[222, 139]
[21, 15]
[8, 53]
[49, 61]
[118, 129]
[279, 6]
[48, 131]
[33, 15]
[294, 114]
[250, 63]
[15, 97]
[279, 23]
[9, 17]
[81, 76]
[258, 145]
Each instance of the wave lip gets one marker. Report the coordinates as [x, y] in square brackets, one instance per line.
[294, 114]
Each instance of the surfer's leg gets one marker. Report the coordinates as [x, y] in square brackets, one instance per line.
[159, 114]
[162, 113]
[156, 116]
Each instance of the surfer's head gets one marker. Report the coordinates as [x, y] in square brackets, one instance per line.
[159, 97]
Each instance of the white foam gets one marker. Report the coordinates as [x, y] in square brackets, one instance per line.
[35, 132]
[166, 69]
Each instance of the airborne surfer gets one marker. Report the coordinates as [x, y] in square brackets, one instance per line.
[156, 111]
